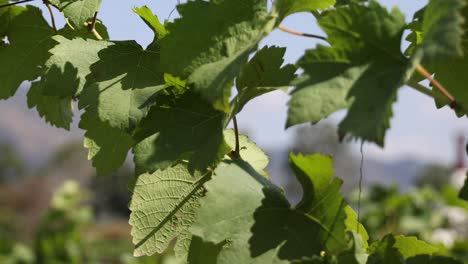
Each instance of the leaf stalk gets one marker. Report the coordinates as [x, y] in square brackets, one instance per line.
[236, 153]
[92, 27]
[302, 34]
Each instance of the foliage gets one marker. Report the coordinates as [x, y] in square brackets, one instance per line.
[423, 212]
[169, 103]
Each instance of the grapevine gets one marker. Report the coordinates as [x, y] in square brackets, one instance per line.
[169, 105]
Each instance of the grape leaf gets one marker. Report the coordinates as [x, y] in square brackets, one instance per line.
[151, 20]
[357, 252]
[321, 197]
[78, 12]
[249, 209]
[57, 111]
[362, 69]
[452, 72]
[67, 68]
[289, 7]
[201, 252]
[229, 30]
[180, 128]
[439, 35]
[440, 25]
[425, 259]
[396, 249]
[163, 207]
[261, 75]
[464, 191]
[29, 39]
[107, 146]
[226, 213]
[127, 76]
[352, 225]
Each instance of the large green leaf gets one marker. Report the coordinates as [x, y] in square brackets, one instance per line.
[322, 199]
[452, 72]
[288, 7]
[163, 207]
[29, 39]
[396, 249]
[226, 213]
[107, 146]
[439, 36]
[125, 76]
[229, 30]
[69, 64]
[78, 12]
[241, 207]
[362, 69]
[440, 30]
[55, 110]
[184, 127]
[264, 73]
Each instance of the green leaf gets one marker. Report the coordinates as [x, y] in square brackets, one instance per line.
[57, 111]
[261, 75]
[180, 128]
[452, 73]
[151, 20]
[127, 76]
[249, 151]
[464, 191]
[396, 249]
[441, 30]
[321, 196]
[163, 207]
[226, 213]
[314, 173]
[78, 12]
[289, 7]
[352, 225]
[362, 69]
[425, 259]
[29, 39]
[439, 35]
[229, 30]
[242, 207]
[411, 246]
[70, 63]
[108, 147]
[357, 252]
[201, 252]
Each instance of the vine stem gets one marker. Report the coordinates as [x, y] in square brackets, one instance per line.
[302, 34]
[236, 152]
[52, 18]
[421, 70]
[15, 3]
[92, 27]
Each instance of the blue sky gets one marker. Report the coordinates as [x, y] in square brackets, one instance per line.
[417, 129]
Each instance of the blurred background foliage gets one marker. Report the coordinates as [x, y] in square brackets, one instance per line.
[61, 212]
